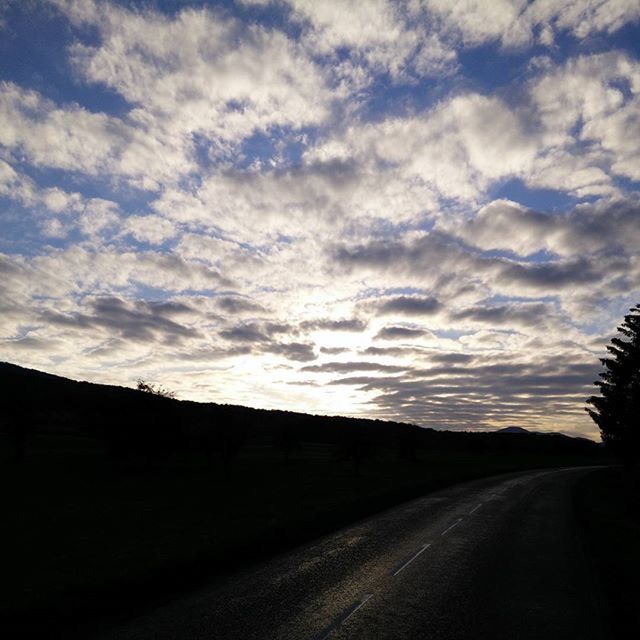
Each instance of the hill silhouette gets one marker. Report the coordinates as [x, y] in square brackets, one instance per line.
[116, 499]
[137, 425]
[513, 429]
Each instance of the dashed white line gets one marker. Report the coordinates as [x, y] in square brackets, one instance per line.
[336, 625]
[362, 603]
[410, 560]
[457, 522]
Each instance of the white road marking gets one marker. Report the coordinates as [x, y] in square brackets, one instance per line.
[368, 596]
[408, 562]
[339, 623]
[457, 522]
[364, 601]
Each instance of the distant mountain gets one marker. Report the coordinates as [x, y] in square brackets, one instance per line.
[523, 431]
[514, 430]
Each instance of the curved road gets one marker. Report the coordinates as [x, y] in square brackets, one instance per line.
[495, 558]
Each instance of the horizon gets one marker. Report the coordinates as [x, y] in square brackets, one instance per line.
[417, 212]
[169, 395]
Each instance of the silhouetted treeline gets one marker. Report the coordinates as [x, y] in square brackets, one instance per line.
[616, 410]
[144, 428]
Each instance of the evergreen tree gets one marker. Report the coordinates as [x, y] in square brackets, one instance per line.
[616, 410]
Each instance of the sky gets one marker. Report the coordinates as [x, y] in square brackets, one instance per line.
[424, 211]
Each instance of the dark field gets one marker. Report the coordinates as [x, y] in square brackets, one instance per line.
[116, 500]
[86, 543]
[608, 506]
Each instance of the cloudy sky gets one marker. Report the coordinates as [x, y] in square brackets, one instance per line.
[423, 210]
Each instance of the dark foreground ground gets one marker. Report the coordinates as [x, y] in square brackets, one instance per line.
[85, 544]
[546, 553]
[607, 505]
[497, 558]
[117, 501]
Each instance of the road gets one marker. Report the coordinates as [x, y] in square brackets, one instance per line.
[495, 558]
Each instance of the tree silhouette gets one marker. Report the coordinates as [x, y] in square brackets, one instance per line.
[616, 410]
[154, 389]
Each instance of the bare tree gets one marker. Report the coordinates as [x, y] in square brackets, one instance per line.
[154, 389]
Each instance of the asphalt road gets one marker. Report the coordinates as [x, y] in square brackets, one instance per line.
[496, 558]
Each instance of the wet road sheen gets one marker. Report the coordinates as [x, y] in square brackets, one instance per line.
[495, 558]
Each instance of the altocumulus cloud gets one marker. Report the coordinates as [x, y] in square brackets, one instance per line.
[328, 206]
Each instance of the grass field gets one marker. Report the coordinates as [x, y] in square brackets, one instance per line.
[86, 543]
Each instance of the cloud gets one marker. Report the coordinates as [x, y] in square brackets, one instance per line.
[592, 101]
[152, 229]
[401, 352]
[377, 35]
[70, 138]
[385, 173]
[298, 351]
[260, 337]
[33, 344]
[199, 71]
[224, 82]
[549, 276]
[312, 199]
[137, 321]
[407, 305]
[236, 305]
[333, 351]
[437, 260]
[401, 333]
[507, 226]
[451, 358]
[518, 23]
[608, 226]
[477, 23]
[474, 396]
[419, 257]
[326, 324]
[225, 188]
[250, 332]
[63, 274]
[533, 314]
[583, 18]
[566, 131]
[57, 211]
[347, 367]
[457, 148]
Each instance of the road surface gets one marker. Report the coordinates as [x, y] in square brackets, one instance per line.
[495, 558]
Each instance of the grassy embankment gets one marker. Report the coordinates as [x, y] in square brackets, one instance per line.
[608, 507]
[85, 543]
